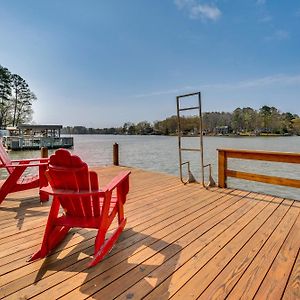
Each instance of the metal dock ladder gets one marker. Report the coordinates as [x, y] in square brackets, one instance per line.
[203, 166]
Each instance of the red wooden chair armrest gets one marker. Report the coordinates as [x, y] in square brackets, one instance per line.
[25, 165]
[58, 192]
[117, 180]
[30, 160]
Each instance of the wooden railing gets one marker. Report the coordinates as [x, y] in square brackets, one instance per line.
[283, 157]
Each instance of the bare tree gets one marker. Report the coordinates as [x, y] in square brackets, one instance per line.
[22, 98]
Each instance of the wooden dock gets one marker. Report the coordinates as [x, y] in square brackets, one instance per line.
[180, 242]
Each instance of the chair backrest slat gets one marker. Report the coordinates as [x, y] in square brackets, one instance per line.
[5, 160]
[95, 199]
[69, 172]
[64, 180]
[84, 184]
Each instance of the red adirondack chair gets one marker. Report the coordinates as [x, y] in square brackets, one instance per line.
[16, 180]
[76, 190]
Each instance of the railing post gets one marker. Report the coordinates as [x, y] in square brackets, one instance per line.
[44, 152]
[222, 161]
[116, 154]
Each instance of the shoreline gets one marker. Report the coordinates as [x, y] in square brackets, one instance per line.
[175, 135]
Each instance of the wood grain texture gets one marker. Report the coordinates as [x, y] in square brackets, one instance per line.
[274, 283]
[264, 178]
[179, 240]
[292, 290]
[286, 157]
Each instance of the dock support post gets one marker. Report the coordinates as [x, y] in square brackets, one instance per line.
[222, 168]
[116, 154]
[44, 152]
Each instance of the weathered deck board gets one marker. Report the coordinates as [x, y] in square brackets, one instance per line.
[293, 287]
[180, 242]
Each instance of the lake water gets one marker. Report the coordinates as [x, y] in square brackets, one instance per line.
[160, 153]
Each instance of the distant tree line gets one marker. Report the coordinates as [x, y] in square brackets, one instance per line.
[242, 121]
[15, 99]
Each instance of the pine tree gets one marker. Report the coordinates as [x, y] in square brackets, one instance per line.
[5, 94]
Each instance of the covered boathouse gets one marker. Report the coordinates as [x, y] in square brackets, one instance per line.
[30, 137]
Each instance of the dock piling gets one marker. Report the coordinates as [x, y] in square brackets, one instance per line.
[44, 152]
[115, 154]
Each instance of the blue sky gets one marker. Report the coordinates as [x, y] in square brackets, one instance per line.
[102, 63]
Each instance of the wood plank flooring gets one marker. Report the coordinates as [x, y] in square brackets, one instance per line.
[180, 242]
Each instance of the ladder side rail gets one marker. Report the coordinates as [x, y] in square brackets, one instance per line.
[179, 138]
[201, 138]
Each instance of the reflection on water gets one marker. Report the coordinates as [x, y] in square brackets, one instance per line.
[160, 153]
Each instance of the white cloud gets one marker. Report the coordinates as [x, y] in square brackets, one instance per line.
[282, 34]
[277, 79]
[183, 3]
[165, 92]
[279, 35]
[266, 18]
[198, 10]
[205, 11]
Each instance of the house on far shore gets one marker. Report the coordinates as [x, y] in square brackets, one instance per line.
[31, 137]
[222, 130]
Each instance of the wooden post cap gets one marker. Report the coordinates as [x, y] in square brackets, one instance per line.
[44, 152]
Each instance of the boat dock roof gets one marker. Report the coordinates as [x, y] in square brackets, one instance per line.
[180, 241]
[39, 127]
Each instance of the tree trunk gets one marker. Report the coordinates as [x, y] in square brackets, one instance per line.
[15, 110]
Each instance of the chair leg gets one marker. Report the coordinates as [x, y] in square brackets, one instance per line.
[44, 197]
[3, 194]
[108, 244]
[9, 183]
[99, 240]
[50, 230]
[45, 249]
[57, 236]
[43, 182]
[53, 239]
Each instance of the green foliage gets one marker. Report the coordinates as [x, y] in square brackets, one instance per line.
[15, 99]
[296, 125]
[266, 120]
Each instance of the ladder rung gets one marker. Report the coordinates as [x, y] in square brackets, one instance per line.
[188, 95]
[190, 149]
[189, 108]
